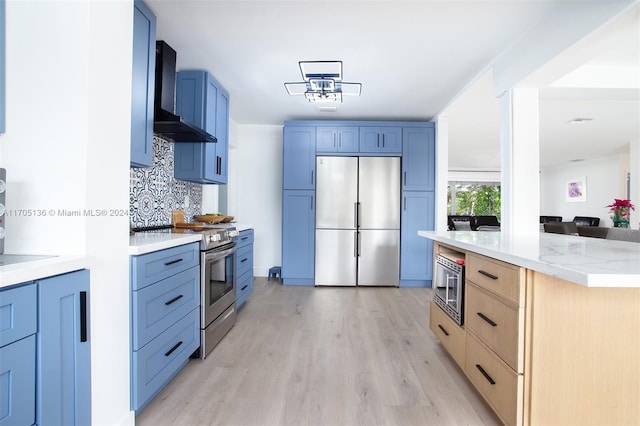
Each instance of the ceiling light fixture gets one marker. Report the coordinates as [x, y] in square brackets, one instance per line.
[322, 82]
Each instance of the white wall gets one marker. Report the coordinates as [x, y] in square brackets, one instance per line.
[603, 178]
[255, 192]
[66, 147]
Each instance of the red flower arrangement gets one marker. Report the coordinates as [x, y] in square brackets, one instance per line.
[619, 210]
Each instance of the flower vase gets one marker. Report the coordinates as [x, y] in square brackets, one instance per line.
[620, 218]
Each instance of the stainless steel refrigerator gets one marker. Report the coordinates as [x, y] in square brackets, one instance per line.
[357, 221]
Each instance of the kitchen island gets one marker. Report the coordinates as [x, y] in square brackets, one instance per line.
[551, 325]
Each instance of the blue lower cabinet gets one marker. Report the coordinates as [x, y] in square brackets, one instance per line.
[64, 350]
[155, 364]
[244, 267]
[18, 382]
[298, 237]
[416, 253]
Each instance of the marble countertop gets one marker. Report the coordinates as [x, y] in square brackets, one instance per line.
[42, 267]
[592, 262]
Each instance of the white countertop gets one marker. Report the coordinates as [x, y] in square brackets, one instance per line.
[18, 273]
[147, 242]
[592, 262]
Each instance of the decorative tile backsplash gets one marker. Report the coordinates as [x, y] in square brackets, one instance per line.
[154, 193]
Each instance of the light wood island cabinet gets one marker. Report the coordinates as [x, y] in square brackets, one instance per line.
[542, 350]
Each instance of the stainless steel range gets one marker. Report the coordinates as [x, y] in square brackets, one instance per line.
[217, 284]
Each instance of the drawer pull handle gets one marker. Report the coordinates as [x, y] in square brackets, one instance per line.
[177, 345]
[486, 274]
[243, 260]
[485, 374]
[443, 330]
[242, 289]
[83, 316]
[172, 262]
[244, 238]
[175, 299]
[487, 319]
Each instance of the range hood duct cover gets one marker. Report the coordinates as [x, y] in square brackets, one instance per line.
[166, 122]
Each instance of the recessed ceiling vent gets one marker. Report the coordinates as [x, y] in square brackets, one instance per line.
[322, 82]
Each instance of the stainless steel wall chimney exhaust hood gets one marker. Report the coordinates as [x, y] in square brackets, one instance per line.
[166, 122]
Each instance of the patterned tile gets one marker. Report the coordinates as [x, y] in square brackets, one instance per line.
[154, 193]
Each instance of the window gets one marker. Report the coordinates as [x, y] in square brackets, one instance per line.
[474, 198]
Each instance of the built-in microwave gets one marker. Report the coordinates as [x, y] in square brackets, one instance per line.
[449, 286]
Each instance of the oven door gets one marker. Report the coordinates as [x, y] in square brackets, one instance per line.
[217, 286]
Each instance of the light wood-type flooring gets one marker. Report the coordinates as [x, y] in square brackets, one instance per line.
[323, 356]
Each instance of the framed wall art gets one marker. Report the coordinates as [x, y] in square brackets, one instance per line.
[576, 189]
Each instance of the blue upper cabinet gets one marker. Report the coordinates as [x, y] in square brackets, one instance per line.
[337, 139]
[381, 139]
[418, 159]
[203, 101]
[299, 161]
[142, 85]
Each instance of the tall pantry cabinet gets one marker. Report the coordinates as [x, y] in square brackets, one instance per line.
[414, 142]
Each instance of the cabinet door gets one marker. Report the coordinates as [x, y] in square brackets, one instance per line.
[64, 350]
[337, 139]
[416, 253]
[222, 134]
[418, 159]
[381, 139]
[299, 159]
[18, 382]
[142, 85]
[298, 237]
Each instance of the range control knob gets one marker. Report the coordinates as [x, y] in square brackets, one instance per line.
[214, 237]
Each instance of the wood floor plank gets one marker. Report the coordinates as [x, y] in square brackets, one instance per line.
[323, 356]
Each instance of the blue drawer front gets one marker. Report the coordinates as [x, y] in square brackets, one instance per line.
[245, 237]
[149, 268]
[244, 287]
[156, 363]
[244, 260]
[18, 382]
[18, 317]
[158, 306]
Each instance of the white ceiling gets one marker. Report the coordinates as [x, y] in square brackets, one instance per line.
[412, 58]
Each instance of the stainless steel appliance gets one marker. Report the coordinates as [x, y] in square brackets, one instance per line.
[217, 281]
[357, 221]
[449, 286]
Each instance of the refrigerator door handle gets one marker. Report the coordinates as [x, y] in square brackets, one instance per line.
[355, 214]
[355, 244]
[358, 242]
[358, 218]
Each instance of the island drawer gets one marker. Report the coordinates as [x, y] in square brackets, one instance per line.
[497, 277]
[450, 334]
[498, 383]
[149, 268]
[495, 323]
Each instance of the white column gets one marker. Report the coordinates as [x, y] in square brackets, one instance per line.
[442, 171]
[519, 139]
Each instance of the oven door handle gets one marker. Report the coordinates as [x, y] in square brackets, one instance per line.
[219, 254]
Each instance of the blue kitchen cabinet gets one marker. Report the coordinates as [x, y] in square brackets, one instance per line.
[18, 327]
[337, 139]
[381, 139]
[64, 350]
[165, 317]
[418, 159]
[202, 100]
[416, 253]
[142, 85]
[244, 267]
[298, 237]
[299, 157]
